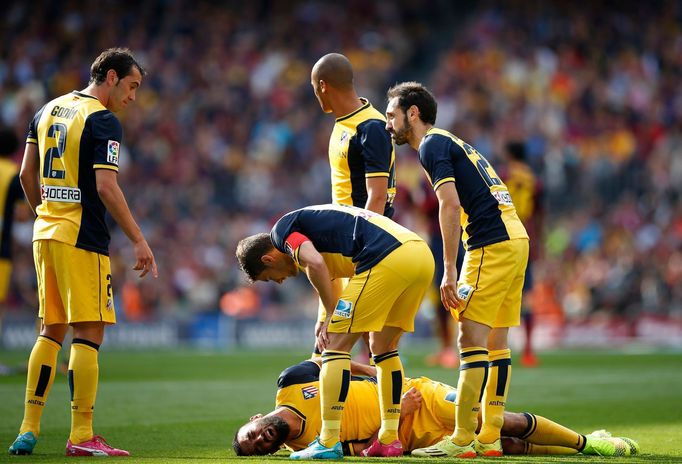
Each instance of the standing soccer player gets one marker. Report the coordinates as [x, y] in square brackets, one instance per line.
[525, 190]
[361, 154]
[69, 176]
[486, 300]
[390, 268]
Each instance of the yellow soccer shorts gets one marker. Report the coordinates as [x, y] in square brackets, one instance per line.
[74, 285]
[5, 273]
[491, 283]
[388, 294]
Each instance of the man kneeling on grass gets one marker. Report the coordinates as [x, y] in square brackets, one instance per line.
[427, 415]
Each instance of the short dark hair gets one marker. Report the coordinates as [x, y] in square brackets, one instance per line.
[120, 60]
[250, 250]
[236, 446]
[9, 142]
[516, 150]
[414, 93]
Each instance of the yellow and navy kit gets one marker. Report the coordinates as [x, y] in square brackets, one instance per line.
[488, 215]
[360, 148]
[353, 234]
[298, 391]
[10, 193]
[75, 135]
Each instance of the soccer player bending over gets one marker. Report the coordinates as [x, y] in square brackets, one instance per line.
[390, 268]
[427, 415]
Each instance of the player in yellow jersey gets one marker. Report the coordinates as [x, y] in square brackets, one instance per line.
[525, 189]
[486, 299]
[69, 175]
[427, 415]
[361, 154]
[390, 268]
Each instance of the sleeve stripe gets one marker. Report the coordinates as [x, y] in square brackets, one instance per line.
[32, 140]
[376, 174]
[442, 181]
[105, 166]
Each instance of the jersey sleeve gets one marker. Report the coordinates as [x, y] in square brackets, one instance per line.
[32, 135]
[436, 159]
[377, 147]
[107, 135]
[285, 234]
[303, 372]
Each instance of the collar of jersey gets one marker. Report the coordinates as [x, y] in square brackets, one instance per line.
[84, 95]
[365, 105]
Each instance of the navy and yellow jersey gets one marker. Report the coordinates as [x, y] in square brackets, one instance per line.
[299, 391]
[488, 215]
[522, 186]
[359, 148]
[75, 135]
[358, 239]
[10, 193]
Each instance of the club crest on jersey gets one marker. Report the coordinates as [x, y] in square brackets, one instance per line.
[343, 309]
[309, 392]
[112, 151]
[464, 292]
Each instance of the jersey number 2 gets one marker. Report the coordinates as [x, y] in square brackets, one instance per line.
[57, 132]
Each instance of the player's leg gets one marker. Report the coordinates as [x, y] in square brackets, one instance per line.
[390, 377]
[86, 278]
[505, 256]
[544, 436]
[334, 387]
[496, 390]
[528, 359]
[42, 363]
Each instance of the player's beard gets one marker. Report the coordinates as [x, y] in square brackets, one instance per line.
[402, 136]
[281, 429]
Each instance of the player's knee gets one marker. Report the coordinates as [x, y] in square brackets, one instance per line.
[513, 445]
[514, 424]
[91, 331]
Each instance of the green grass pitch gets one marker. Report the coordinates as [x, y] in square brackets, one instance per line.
[184, 406]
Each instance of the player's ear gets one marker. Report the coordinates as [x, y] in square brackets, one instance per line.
[112, 77]
[267, 259]
[255, 416]
[413, 112]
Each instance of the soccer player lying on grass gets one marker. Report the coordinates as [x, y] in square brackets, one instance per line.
[427, 415]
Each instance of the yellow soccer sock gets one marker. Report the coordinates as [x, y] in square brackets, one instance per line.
[42, 365]
[390, 380]
[542, 431]
[495, 396]
[83, 377]
[548, 450]
[334, 385]
[473, 372]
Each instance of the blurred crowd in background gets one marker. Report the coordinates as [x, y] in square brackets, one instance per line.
[226, 134]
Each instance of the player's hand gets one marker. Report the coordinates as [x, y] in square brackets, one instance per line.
[448, 289]
[322, 336]
[411, 401]
[144, 257]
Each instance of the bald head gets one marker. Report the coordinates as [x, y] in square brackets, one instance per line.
[335, 70]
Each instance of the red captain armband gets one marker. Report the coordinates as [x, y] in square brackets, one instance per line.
[294, 240]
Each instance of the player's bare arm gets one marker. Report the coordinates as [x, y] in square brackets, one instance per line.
[29, 176]
[318, 275]
[112, 197]
[449, 219]
[377, 192]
